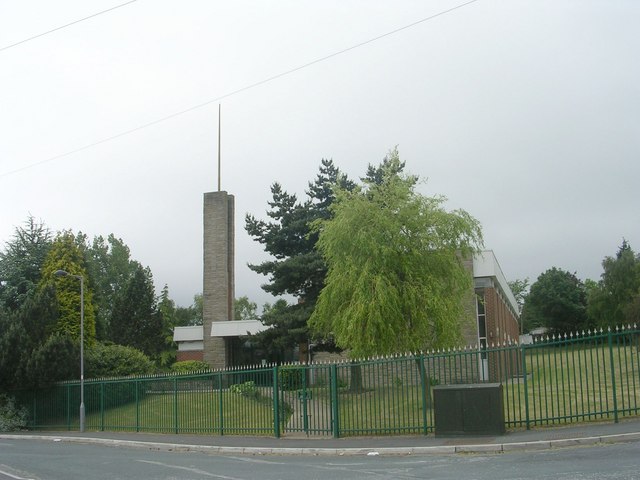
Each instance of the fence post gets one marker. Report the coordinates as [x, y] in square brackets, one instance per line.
[334, 401]
[175, 404]
[35, 422]
[102, 406]
[613, 376]
[423, 384]
[137, 406]
[68, 406]
[305, 406]
[220, 404]
[526, 386]
[276, 403]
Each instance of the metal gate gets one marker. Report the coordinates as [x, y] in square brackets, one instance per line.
[306, 393]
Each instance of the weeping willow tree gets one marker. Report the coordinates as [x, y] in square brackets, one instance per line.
[395, 280]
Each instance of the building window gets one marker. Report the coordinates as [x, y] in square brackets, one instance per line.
[482, 324]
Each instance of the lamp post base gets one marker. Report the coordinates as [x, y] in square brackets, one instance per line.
[82, 417]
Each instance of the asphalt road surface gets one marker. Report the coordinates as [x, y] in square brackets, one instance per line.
[46, 460]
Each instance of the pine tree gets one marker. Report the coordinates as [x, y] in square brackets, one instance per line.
[297, 268]
[21, 263]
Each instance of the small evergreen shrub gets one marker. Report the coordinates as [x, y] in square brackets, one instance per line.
[12, 417]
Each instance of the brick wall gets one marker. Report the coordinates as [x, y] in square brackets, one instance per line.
[190, 355]
[502, 327]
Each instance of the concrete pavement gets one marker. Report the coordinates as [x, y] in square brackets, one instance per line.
[535, 439]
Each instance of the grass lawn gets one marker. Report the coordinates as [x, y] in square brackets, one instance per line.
[388, 410]
[568, 384]
[190, 412]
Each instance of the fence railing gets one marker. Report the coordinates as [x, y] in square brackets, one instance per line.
[575, 378]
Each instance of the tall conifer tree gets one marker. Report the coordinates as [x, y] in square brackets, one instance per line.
[296, 267]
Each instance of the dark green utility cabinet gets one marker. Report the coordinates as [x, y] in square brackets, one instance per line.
[471, 409]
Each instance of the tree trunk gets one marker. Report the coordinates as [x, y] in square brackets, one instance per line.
[425, 381]
[355, 384]
[303, 352]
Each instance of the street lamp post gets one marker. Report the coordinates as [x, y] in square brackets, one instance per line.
[62, 273]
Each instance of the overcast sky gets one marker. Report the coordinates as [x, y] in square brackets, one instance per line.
[526, 113]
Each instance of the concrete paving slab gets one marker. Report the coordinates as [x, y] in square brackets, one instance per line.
[520, 446]
[620, 437]
[479, 448]
[435, 450]
[574, 442]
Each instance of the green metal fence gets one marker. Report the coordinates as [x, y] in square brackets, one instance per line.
[575, 378]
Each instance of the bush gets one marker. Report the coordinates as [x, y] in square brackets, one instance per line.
[189, 366]
[57, 358]
[246, 389]
[115, 361]
[12, 417]
[291, 378]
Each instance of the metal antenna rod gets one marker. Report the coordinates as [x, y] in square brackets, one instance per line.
[219, 181]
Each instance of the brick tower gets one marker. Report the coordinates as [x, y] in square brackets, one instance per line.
[218, 276]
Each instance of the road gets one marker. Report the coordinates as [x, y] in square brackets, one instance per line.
[40, 460]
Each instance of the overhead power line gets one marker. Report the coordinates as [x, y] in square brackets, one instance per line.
[65, 26]
[235, 92]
